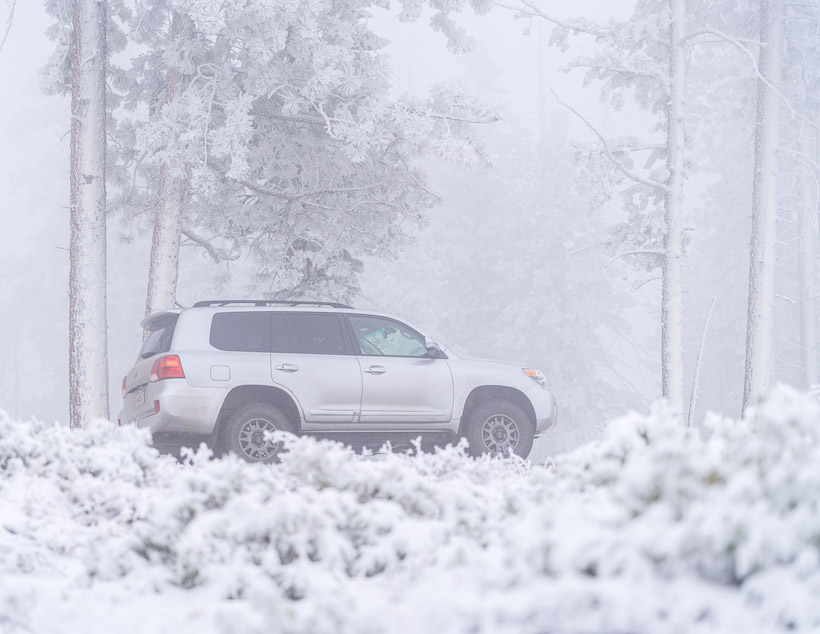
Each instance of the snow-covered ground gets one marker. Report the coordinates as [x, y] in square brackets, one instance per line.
[651, 529]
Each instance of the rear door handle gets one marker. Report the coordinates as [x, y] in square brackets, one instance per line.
[376, 369]
[287, 367]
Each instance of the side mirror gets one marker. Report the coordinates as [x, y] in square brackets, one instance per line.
[434, 350]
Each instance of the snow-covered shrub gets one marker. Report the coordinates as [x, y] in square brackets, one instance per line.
[654, 528]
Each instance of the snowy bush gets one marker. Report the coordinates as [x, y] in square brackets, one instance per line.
[654, 528]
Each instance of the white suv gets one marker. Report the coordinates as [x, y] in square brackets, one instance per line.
[230, 371]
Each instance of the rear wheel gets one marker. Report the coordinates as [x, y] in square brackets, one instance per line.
[245, 432]
[499, 427]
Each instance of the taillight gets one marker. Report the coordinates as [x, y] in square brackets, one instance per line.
[168, 367]
[123, 386]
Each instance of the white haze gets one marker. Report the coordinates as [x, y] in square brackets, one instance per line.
[620, 329]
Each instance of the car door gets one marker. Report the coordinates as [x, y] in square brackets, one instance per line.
[400, 382]
[313, 359]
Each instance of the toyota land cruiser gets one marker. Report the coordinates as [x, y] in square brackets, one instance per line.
[230, 371]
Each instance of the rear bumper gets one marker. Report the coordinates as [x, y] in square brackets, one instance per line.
[545, 406]
[182, 408]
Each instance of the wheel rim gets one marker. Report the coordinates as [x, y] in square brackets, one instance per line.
[500, 434]
[252, 439]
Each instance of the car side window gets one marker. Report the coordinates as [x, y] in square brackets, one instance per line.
[315, 333]
[378, 336]
[241, 331]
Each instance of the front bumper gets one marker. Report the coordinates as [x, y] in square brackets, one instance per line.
[545, 406]
[182, 408]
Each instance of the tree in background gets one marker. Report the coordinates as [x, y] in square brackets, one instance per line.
[80, 67]
[760, 318]
[643, 59]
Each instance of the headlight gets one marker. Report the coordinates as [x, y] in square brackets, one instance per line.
[536, 375]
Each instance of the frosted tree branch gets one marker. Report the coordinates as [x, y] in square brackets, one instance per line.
[11, 5]
[325, 120]
[289, 197]
[738, 43]
[535, 11]
[618, 164]
[217, 254]
[693, 397]
[660, 252]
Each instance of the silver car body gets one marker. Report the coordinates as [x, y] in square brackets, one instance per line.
[342, 392]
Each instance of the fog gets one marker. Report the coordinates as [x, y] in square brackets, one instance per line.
[516, 260]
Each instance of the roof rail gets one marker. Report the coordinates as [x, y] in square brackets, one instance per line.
[267, 302]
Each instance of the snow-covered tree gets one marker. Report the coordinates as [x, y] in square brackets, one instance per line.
[760, 317]
[642, 59]
[79, 66]
[271, 135]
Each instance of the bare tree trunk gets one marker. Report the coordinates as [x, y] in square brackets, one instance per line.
[760, 315]
[807, 227]
[171, 189]
[671, 306]
[88, 328]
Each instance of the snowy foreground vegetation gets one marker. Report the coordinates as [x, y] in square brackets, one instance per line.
[653, 528]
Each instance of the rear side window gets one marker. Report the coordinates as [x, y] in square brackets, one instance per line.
[241, 332]
[312, 333]
[159, 339]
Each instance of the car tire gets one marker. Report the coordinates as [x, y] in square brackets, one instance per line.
[243, 432]
[495, 426]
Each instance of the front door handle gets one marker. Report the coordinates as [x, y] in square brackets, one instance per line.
[376, 369]
[287, 367]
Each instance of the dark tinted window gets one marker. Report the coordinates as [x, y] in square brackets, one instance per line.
[241, 332]
[159, 339]
[312, 333]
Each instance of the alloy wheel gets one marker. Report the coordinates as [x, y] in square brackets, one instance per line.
[252, 440]
[500, 434]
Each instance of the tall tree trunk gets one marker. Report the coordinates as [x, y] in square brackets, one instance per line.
[760, 314]
[171, 189]
[671, 302]
[164, 268]
[807, 227]
[88, 328]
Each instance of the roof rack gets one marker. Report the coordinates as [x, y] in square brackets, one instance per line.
[267, 302]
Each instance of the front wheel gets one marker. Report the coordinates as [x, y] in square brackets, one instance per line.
[499, 427]
[244, 432]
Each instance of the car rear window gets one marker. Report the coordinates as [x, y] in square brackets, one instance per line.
[315, 333]
[159, 338]
[241, 331]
